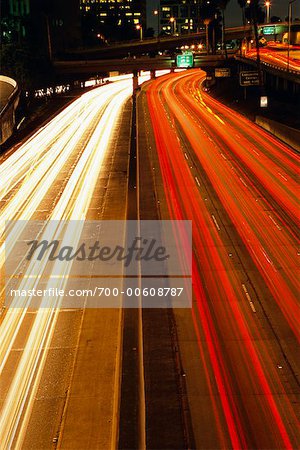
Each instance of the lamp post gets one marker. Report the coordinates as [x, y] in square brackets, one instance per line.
[156, 12]
[289, 33]
[139, 27]
[268, 4]
[173, 21]
[206, 23]
[49, 40]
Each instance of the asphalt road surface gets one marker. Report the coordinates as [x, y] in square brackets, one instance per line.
[279, 58]
[60, 368]
[239, 343]
[221, 375]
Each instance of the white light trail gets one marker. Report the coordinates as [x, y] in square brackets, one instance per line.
[73, 204]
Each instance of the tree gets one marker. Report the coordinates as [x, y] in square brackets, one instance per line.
[275, 19]
[210, 14]
[222, 5]
[256, 14]
[24, 55]
[255, 8]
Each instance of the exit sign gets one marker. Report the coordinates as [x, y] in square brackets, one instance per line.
[185, 60]
[269, 30]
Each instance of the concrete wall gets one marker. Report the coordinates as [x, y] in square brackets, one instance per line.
[8, 107]
[290, 136]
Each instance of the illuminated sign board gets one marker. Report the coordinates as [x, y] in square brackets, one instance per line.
[185, 60]
[222, 72]
[269, 30]
[263, 101]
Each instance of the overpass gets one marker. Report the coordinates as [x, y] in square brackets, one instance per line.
[9, 99]
[137, 47]
[74, 70]
[275, 77]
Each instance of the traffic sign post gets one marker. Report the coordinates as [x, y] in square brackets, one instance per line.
[249, 78]
[185, 60]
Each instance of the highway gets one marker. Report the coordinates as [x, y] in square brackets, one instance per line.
[66, 170]
[222, 375]
[239, 344]
[278, 58]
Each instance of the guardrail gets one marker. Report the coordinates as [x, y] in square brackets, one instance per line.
[292, 75]
[7, 113]
[283, 69]
[290, 136]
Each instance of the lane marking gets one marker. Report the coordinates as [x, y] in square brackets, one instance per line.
[243, 181]
[197, 181]
[219, 119]
[249, 298]
[254, 151]
[285, 179]
[215, 222]
[275, 223]
[267, 257]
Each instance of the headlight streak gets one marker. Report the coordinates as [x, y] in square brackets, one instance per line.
[81, 183]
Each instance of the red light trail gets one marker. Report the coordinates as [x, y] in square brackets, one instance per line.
[254, 178]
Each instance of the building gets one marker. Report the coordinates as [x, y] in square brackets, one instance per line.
[114, 18]
[179, 16]
[50, 24]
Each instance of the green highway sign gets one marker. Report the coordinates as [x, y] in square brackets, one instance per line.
[185, 60]
[269, 30]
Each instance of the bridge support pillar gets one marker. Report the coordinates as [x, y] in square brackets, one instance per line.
[135, 81]
[152, 74]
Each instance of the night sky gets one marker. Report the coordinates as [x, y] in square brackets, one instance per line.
[233, 11]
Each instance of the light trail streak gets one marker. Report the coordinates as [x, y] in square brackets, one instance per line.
[240, 206]
[16, 167]
[220, 316]
[72, 205]
[277, 58]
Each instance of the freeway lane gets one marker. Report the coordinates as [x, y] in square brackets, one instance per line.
[278, 58]
[67, 170]
[238, 185]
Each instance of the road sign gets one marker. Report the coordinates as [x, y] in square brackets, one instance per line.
[249, 78]
[263, 101]
[222, 72]
[185, 60]
[268, 30]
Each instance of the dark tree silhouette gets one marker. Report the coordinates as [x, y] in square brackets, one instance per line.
[222, 6]
[275, 19]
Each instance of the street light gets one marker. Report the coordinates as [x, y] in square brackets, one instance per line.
[206, 23]
[139, 27]
[173, 21]
[268, 4]
[156, 12]
[289, 33]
